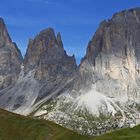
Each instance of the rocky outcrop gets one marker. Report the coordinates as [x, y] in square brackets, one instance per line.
[10, 58]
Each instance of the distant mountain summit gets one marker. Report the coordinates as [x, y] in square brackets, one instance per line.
[102, 94]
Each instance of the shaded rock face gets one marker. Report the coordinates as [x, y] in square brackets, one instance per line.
[50, 63]
[10, 58]
[46, 54]
[113, 55]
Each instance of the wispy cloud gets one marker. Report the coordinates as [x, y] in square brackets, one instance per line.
[21, 21]
[47, 2]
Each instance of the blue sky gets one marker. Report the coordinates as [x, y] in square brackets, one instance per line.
[77, 20]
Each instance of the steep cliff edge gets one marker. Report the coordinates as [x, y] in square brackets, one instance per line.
[10, 58]
[113, 54]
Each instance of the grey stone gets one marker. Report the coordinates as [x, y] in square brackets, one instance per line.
[10, 58]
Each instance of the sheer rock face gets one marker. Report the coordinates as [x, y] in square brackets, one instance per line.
[113, 55]
[117, 34]
[46, 54]
[10, 58]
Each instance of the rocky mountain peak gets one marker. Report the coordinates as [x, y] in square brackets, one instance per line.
[113, 55]
[4, 36]
[135, 12]
[48, 38]
[116, 34]
[45, 40]
[10, 58]
[46, 52]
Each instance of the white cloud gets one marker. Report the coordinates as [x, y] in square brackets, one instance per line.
[48, 2]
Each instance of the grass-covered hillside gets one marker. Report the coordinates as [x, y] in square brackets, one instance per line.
[16, 127]
[124, 134]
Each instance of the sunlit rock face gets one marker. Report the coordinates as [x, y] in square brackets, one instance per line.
[10, 58]
[114, 55]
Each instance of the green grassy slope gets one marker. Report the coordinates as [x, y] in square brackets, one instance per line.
[124, 134]
[16, 127]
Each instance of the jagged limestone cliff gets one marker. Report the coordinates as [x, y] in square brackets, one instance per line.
[102, 94]
[10, 58]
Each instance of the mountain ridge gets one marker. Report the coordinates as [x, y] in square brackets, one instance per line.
[102, 91]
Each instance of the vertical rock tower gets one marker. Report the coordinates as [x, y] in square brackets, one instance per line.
[10, 58]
